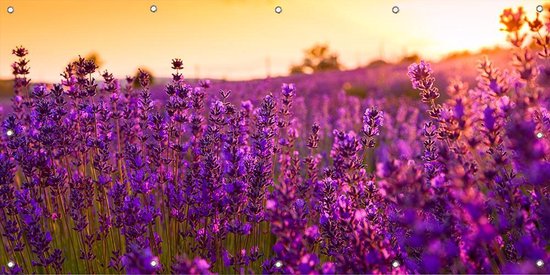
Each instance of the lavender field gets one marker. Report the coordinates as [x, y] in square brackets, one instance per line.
[414, 169]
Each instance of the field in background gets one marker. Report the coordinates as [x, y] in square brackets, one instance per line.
[388, 78]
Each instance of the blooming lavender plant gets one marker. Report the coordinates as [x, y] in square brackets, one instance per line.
[209, 177]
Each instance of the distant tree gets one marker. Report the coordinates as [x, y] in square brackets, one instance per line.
[410, 59]
[377, 63]
[457, 54]
[316, 59]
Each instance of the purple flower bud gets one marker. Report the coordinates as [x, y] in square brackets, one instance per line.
[308, 263]
[328, 268]
[489, 119]
[288, 89]
[420, 75]
[40, 90]
[141, 261]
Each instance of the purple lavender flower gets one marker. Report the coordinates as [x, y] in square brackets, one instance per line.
[373, 119]
[107, 175]
[141, 261]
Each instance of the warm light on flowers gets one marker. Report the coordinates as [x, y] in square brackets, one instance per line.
[291, 175]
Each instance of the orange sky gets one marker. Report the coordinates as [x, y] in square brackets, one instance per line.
[234, 38]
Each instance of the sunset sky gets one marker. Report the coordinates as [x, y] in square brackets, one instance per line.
[233, 39]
